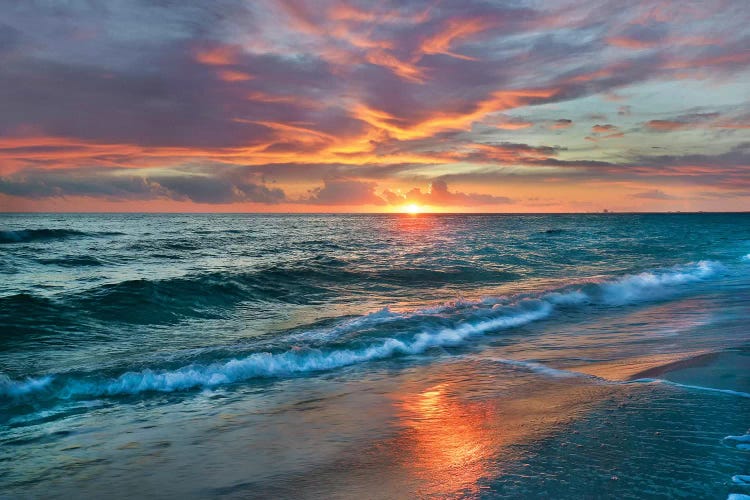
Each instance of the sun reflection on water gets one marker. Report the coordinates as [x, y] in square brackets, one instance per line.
[450, 448]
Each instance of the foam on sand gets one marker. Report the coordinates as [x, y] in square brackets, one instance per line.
[540, 368]
[693, 387]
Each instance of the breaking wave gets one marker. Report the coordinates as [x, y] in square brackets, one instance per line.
[340, 348]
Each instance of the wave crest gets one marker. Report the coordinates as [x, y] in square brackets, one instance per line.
[487, 316]
[45, 234]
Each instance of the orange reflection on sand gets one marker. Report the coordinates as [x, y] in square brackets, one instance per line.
[455, 434]
[450, 448]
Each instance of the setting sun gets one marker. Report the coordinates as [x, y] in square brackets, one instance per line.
[412, 208]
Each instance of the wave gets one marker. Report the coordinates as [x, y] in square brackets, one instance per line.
[31, 235]
[487, 316]
[739, 442]
[268, 365]
[211, 295]
[655, 284]
[206, 295]
[72, 261]
[18, 388]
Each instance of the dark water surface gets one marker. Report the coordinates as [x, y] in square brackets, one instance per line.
[376, 356]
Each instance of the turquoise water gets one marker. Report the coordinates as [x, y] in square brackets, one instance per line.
[372, 355]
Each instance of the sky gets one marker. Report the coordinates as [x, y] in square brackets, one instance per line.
[346, 106]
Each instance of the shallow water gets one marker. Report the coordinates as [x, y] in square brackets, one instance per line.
[373, 355]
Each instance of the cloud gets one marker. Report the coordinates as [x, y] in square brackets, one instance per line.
[394, 92]
[123, 185]
[641, 36]
[505, 122]
[654, 194]
[603, 129]
[693, 120]
[603, 132]
[439, 195]
[561, 124]
[344, 192]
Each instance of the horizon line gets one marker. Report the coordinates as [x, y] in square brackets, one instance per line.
[669, 212]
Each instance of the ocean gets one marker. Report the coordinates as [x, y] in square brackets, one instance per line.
[374, 356]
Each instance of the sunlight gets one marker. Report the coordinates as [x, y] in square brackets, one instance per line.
[412, 208]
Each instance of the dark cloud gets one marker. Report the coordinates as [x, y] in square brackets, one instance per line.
[10, 38]
[126, 185]
[562, 123]
[438, 194]
[654, 194]
[344, 192]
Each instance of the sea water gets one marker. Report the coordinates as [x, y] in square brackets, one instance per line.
[379, 356]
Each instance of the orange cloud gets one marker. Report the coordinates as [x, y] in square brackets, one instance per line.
[667, 125]
[223, 55]
[234, 76]
[515, 125]
[741, 57]
[733, 125]
[603, 129]
[453, 30]
[400, 68]
[631, 43]
[634, 43]
[349, 13]
[440, 121]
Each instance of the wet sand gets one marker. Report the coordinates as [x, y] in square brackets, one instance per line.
[649, 366]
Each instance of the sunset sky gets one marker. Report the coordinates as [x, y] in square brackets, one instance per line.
[291, 106]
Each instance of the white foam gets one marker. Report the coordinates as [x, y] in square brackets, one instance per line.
[296, 361]
[574, 297]
[501, 315]
[382, 316]
[16, 388]
[694, 387]
[539, 368]
[651, 285]
[738, 496]
[741, 480]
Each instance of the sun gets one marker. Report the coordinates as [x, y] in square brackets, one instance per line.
[412, 208]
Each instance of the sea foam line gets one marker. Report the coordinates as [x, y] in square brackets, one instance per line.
[628, 289]
[265, 364]
[541, 369]
[694, 387]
